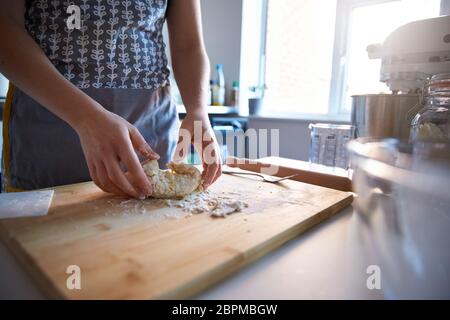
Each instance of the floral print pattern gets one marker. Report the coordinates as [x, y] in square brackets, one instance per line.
[119, 45]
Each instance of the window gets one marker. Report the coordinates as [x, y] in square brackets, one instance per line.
[372, 24]
[3, 86]
[299, 52]
[313, 52]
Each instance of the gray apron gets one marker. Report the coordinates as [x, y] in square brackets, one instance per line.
[118, 58]
[44, 151]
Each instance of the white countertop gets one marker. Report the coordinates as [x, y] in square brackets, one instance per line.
[326, 262]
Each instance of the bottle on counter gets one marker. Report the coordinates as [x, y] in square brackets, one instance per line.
[218, 87]
[235, 94]
[210, 92]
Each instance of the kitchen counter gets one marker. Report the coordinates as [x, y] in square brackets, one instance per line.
[326, 262]
[214, 110]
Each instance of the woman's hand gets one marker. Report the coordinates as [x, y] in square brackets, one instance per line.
[196, 129]
[109, 141]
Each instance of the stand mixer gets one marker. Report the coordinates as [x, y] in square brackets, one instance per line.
[409, 56]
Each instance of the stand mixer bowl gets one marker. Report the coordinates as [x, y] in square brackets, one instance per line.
[384, 115]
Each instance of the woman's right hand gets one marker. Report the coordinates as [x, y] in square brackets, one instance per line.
[109, 140]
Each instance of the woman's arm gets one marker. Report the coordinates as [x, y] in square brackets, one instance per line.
[106, 138]
[191, 68]
[24, 63]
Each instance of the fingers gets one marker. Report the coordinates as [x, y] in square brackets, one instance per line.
[136, 175]
[99, 177]
[91, 168]
[110, 178]
[141, 146]
[212, 163]
[183, 145]
[211, 173]
[121, 181]
[218, 173]
[93, 173]
[110, 143]
[105, 183]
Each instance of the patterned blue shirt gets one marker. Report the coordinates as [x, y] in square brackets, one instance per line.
[119, 44]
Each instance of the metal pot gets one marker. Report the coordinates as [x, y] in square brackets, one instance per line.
[384, 115]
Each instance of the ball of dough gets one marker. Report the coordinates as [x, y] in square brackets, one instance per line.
[176, 182]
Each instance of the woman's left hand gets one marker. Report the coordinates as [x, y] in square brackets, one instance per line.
[197, 129]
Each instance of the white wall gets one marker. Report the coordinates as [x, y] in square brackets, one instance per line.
[294, 134]
[222, 21]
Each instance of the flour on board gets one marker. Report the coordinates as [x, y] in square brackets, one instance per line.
[208, 202]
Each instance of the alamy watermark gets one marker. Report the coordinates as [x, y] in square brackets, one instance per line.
[73, 281]
[74, 19]
[374, 280]
[246, 145]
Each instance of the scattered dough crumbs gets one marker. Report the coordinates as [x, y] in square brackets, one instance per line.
[208, 202]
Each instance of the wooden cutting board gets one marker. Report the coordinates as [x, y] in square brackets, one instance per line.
[134, 250]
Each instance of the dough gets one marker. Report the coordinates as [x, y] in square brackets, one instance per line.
[176, 182]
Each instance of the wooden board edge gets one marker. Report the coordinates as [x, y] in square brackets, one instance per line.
[196, 285]
[219, 274]
[322, 179]
[25, 261]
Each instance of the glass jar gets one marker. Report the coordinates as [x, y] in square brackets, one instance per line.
[328, 145]
[433, 121]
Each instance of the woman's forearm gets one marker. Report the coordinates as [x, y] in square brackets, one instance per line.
[191, 70]
[189, 59]
[24, 63]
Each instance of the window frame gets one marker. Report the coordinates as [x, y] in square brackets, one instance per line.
[339, 73]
